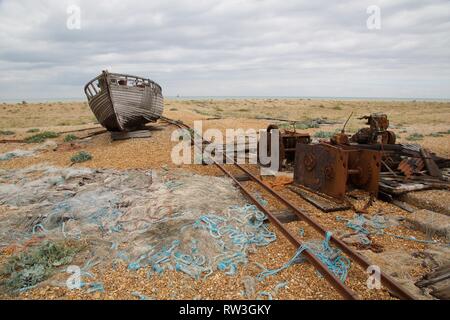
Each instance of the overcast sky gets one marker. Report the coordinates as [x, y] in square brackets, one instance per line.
[228, 47]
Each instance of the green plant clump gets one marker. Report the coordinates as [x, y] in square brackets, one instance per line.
[436, 135]
[28, 268]
[41, 137]
[323, 134]
[414, 137]
[300, 125]
[6, 132]
[81, 156]
[70, 137]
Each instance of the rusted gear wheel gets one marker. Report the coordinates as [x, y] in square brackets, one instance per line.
[309, 161]
[329, 173]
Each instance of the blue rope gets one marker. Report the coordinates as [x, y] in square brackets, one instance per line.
[332, 258]
[261, 200]
[39, 226]
[279, 286]
[173, 184]
[140, 295]
[95, 287]
[301, 232]
[410, 238]
[232, 241]
[265, 293]
[358, 222]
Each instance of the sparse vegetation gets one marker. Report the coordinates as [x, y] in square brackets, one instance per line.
[41, 137]
[81, 156]
[414, 137]
[70, 137]
[28, 268]
[6, 132]
[323, 134]
[201, 112]
[33, 130]
[300, 125]
[436, 134]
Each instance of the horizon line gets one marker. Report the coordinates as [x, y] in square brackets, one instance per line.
[230, 97]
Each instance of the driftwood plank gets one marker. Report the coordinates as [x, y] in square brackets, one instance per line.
[130, 135]
[324, 204]
[438, 281]
[432, 167]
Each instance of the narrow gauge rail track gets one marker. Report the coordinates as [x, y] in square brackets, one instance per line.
[342, 289]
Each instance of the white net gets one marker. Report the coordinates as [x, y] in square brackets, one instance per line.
[163, 220]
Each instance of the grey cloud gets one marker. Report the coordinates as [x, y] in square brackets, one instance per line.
[229, 47]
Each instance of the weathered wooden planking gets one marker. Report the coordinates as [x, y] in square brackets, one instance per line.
[438, 281]
[432, 167]
[102, 107]
[123, 135]
[122, 102]
[134, 106]
[322, 203]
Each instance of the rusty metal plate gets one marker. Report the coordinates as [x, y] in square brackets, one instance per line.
[329, 169]
[368, 164]
[410, 166]
[321, 168]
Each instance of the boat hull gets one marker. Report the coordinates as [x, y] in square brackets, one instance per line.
[123, 102]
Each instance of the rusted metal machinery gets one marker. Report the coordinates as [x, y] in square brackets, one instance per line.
[330, 169]
[345, 292]
[409, 167]
[288, 139]
[377, 132]
[404, 167]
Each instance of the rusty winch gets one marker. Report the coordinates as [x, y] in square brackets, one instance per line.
[288, 139]
[329, 169]
[377, 133]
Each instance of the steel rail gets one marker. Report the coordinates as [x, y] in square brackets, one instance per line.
[334, 281]
[343, 290]
[386, 280]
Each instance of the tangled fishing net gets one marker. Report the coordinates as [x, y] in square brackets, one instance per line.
[162, 220]
[365, 226]
[158, 220]
[329, 256]
[19, 153]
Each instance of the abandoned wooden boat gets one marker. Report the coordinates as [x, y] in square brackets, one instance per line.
[123, 102]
